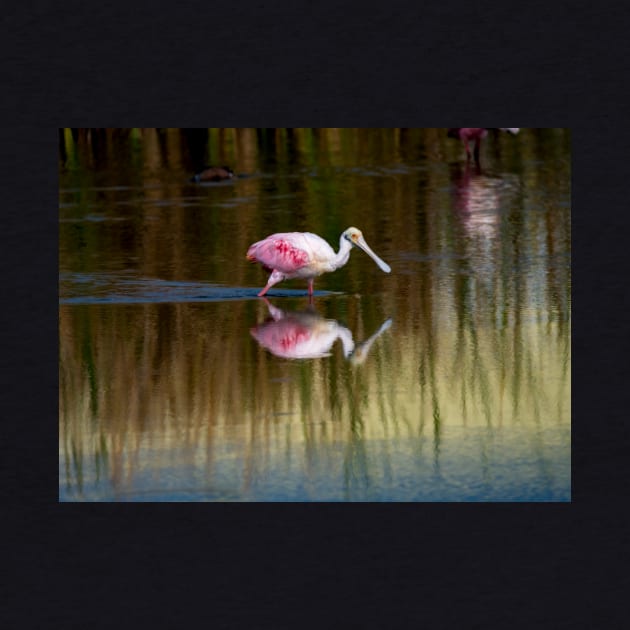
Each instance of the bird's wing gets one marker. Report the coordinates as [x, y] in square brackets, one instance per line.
[279, 251]
[317, 248]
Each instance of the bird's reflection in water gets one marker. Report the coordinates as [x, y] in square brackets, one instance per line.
[307, 335]
[480, 198]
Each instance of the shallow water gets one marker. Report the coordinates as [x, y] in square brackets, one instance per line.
[446, 380]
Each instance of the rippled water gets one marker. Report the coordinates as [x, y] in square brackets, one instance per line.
[446, 380]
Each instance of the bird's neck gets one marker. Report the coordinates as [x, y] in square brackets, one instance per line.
[341, 258]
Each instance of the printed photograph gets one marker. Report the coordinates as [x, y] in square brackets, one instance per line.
[315, 314]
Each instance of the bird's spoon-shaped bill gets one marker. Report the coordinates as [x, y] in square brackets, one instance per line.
[360, 242]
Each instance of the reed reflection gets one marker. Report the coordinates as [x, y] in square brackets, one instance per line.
[307, 335]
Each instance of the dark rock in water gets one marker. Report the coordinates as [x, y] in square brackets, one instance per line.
[213, 174]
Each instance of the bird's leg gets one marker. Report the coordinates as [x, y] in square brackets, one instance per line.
[274, 278]
[477, 145]
[465, 141]
[310, 286]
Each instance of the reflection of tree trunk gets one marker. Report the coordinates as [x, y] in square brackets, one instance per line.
[196, 143]
[247, 149]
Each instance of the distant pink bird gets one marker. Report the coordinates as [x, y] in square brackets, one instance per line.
[465, 134]
[305, 255]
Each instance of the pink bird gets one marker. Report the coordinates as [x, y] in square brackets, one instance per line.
[305, 255]
[465, 134]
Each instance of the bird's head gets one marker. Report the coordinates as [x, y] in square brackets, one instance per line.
[355, 237]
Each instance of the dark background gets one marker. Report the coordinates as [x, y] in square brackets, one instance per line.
[313, 64]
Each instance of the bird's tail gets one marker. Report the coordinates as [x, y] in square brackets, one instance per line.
[251, 253]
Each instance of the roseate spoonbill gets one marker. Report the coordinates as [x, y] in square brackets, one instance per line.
[465, 134]
[213, 174]
[305, 255]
